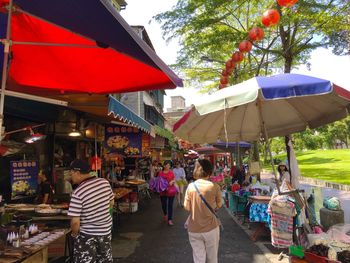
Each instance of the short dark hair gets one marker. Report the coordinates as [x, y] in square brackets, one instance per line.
[207, 167]
[168, 162]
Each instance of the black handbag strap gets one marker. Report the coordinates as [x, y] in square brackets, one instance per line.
[205, 201]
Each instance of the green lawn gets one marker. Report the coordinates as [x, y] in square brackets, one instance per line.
[328, 165]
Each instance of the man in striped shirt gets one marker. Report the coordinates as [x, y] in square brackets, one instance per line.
[91, 221]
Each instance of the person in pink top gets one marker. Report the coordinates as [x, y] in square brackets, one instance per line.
[167, 197]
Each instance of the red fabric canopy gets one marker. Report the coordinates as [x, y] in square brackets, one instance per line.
[60, 61]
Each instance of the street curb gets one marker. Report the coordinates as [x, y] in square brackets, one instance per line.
[315, 182]
[272, 258]
[321, 183]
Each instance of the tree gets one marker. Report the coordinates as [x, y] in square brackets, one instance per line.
[214, 28]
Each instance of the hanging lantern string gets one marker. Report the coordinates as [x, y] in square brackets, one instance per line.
[269, 18]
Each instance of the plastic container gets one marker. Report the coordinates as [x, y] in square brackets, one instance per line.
[127, 207]
[313, 258]
[297, 251]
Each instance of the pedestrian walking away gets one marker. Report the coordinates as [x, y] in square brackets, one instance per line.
[202, 225]
[167, 196]
[91, 221]
[180, 179]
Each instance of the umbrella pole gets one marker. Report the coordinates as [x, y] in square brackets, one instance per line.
[96, 150]
[286, 140]
[6, 44]
[271, 160]
[268, 147]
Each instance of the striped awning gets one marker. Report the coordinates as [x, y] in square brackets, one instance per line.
[122, 112]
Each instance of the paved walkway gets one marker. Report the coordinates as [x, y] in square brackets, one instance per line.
[143, 237]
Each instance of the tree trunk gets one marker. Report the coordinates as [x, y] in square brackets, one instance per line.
[256, 157]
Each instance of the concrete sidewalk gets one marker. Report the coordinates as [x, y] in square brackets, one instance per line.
[143, 237]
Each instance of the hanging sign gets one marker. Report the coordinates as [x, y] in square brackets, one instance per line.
[24, 176]
[146, 144]
[123, 140]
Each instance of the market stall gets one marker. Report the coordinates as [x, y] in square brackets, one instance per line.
[34, 233]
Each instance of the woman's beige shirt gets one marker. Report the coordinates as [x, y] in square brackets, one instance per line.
[201, 219]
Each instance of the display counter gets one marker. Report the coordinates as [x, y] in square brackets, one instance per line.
[38, 248]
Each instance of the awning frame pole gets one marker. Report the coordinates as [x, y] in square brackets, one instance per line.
[5, 64]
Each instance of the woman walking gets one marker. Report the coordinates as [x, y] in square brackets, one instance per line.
[202, 224]
[180, 179]
[167, 196]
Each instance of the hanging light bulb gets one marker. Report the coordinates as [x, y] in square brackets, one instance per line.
[74, 133]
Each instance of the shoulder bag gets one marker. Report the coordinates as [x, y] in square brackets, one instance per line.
[209, 207]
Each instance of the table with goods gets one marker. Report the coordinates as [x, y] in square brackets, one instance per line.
[141, 187]
[34, 233]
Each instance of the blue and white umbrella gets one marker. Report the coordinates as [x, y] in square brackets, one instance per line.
[264, 107]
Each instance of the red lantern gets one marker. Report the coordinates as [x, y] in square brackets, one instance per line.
[223, 80]
[229, 71]
[237, 56]
[229, 64]
[245, 46]
[221, 86]
[270, 17]
[287, 3]
[256, 34]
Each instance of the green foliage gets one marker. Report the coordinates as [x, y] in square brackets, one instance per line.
[214, 28]
[328, 165]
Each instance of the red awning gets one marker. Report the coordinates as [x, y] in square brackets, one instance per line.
[46, 57]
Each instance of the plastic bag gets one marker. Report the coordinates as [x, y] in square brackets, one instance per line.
[171, 190]
[318, 239]
[332, 203]
[158, 184]
[340, 233]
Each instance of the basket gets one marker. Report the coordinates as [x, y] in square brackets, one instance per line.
[313, 258]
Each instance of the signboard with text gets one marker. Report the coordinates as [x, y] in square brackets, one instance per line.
[146, 144]
[123, 140]
[24, 176]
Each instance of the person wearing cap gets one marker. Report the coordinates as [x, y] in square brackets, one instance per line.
[283, 172]
[91, 221]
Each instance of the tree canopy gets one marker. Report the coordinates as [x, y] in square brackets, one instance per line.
[209, 31]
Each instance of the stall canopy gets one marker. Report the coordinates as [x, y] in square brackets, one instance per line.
[119, 110]
[264, 107]
[72, 46]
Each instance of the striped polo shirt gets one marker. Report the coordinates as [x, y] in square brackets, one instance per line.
[90, 201]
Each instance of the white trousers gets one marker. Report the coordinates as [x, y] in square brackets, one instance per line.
[205, 246]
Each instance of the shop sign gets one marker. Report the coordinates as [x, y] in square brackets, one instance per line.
[146, 144]
[24, 176]
[123, 140]
[157, 142]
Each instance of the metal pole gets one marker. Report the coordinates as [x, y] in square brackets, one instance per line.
[96, 148]
[4, 66]
[268, 146]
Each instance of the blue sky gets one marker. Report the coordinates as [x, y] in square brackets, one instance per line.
[139, 12]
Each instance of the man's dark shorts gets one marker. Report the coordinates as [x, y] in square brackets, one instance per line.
[92, 249]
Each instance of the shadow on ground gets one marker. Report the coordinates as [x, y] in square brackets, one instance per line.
[143, 237]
